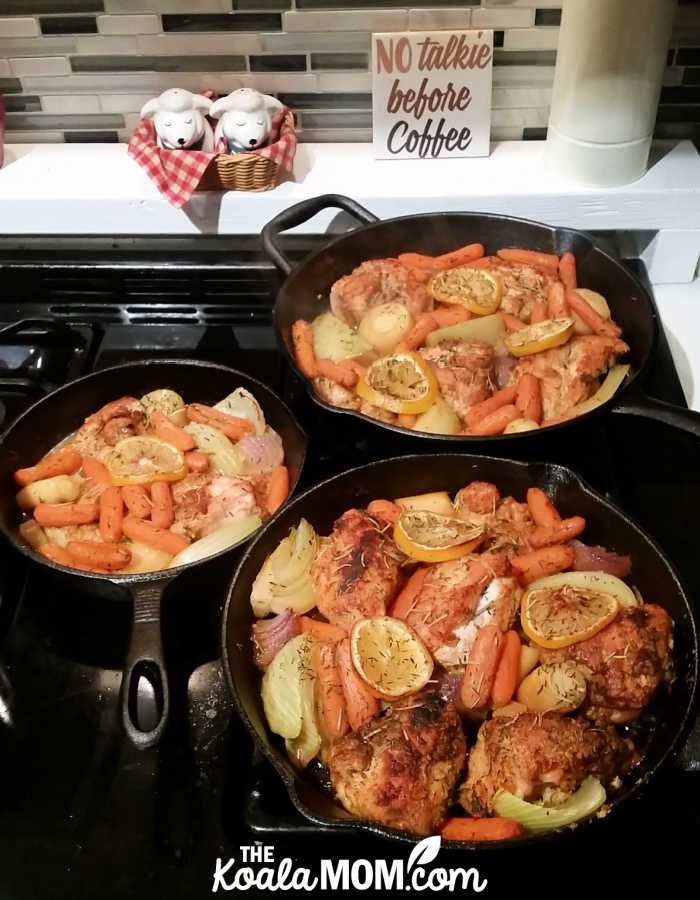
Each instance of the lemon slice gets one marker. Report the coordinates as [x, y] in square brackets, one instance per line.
[431, 537]
[400, 383]
[478, 290]
[140, 459]
[556, 617]
[538, 337]
[390, 657]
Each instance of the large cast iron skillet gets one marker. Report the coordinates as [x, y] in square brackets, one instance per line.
[666, 722]
[305, 292]
[55, 416]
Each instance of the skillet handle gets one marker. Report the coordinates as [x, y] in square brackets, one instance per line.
[641, 404]
[302, 212]
[145, 697]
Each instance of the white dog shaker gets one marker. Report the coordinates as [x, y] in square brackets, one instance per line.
[179, 118]
[610, 63]
[245, 119]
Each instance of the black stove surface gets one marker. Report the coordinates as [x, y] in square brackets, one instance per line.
[84, 814]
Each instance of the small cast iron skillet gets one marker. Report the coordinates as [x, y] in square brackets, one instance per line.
[664, 724]
[305, 291]
[54, 417]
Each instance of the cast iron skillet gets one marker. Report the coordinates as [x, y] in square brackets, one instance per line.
[665, 723]
[55, 416]
[305, 292]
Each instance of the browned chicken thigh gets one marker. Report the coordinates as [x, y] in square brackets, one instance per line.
[400, 769]
[528, 753]
[626, 662]
[569, 374]
[356, 574]
[464, 371]
[377, 281]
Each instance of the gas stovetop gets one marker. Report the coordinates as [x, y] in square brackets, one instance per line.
[83, 813]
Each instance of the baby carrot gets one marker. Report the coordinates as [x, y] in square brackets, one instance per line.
[481, 666]
[425, 323]
[94, 469]
[234, 427]
[450, 315]
[352, 365]
[556, 301]
[99, 553]
[56, 554]
[403, 604]
[361, 704]
[496, 422]
[303, 343]
[542, 510]
[417, 260]
[170, 432]
[463, 256]
[479, 411]
[60, 514]
[547, 561]
[196, 461]
[62, 462]
[277, 488]
[566, 530]
[330, 691]
[538, 312]
[137, 500]
[484, 262]
[529, 397]
[111, 513]
[512, 323]
[384, 509]
[591, 317]
[489, 829]
[148, 533]
[162, 514]
[506, 678]
[341, 375]
[548, 261]
[407, 420]
[567, 271]
[63, 558]
[324, 631]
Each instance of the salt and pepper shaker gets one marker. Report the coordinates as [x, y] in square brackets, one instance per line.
[610, 64]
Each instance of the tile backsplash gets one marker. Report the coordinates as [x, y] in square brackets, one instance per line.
[80, 70]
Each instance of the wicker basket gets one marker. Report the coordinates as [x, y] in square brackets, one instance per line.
[242, 171]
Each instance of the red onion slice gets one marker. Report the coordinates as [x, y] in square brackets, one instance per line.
[270, 635]
[598, 559]
[261, 451]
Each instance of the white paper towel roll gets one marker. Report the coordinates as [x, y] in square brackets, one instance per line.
[610, 63]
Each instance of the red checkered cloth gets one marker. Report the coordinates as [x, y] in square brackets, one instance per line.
[176, 173]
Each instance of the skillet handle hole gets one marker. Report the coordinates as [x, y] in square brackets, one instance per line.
[145, 695]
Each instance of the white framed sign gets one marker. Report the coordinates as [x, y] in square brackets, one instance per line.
[431, 94]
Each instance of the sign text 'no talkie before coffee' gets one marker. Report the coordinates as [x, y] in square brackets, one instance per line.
[432, 94]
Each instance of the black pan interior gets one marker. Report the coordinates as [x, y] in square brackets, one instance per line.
[52, 418]
[305, 292]
[662, 726]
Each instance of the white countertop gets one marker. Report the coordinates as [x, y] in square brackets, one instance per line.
[679, 308]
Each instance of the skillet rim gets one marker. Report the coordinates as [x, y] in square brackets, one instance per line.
[162, 574]
[465, 439]
[274, 756]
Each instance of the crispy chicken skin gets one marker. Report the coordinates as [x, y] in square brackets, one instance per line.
[356, 574]
[528, 753]
[627, 661]
[377, 281]
[508, 523]
[400, 769]
[464, 371]
[523, 286]
[569, 374]
[335, 394]
[449, 596]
